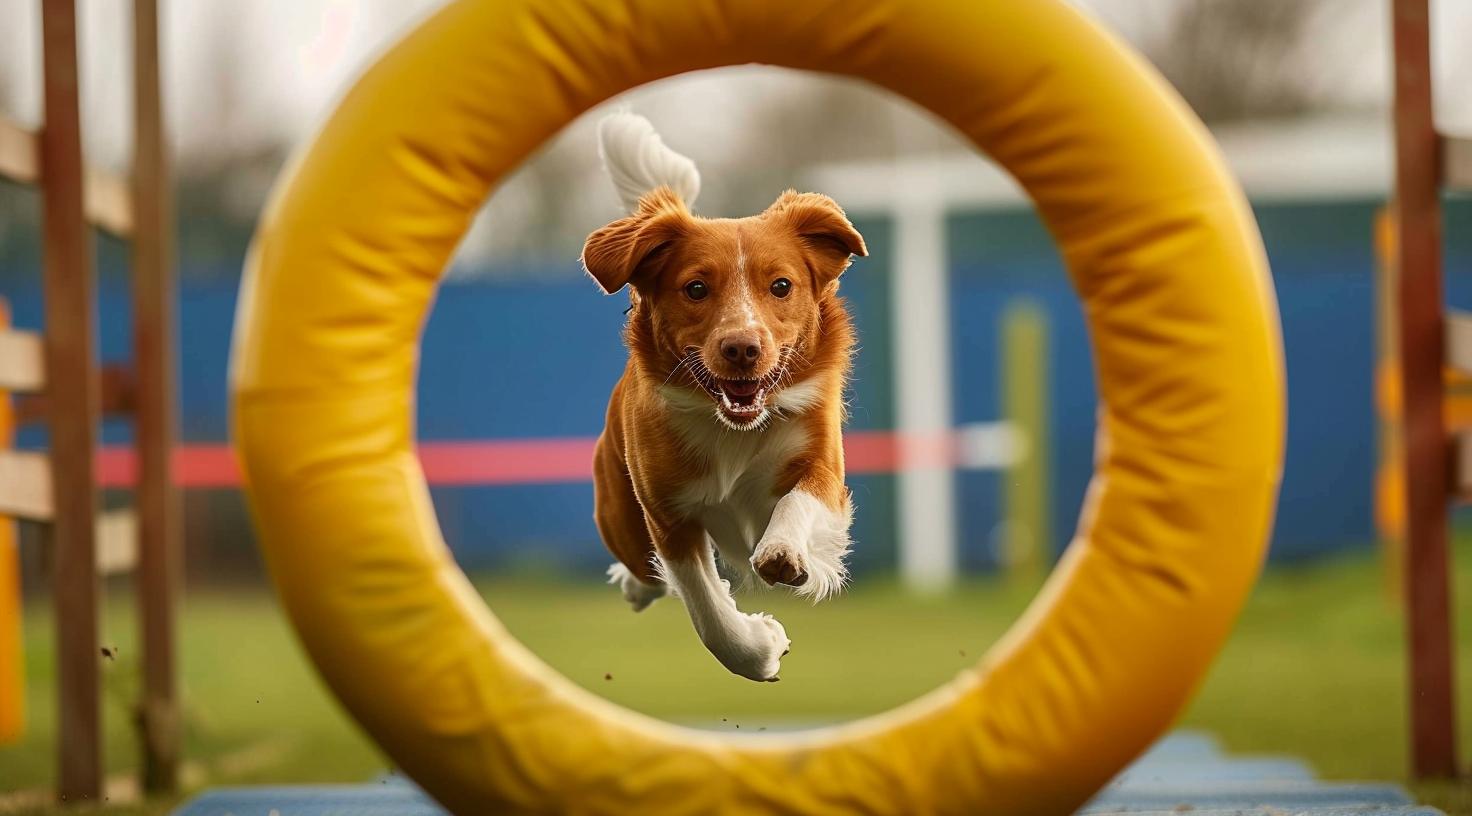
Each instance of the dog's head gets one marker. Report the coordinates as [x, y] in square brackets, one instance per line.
[731, 306]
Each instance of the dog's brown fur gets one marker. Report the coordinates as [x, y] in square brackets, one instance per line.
[724, 429]
[642, 464]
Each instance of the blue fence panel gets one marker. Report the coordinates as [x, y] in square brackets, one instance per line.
[536, 357]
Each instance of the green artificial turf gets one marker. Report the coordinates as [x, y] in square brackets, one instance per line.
[1315, 669]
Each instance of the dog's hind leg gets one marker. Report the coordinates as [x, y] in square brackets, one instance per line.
[749, 645]
[621, 524]
[639, 594]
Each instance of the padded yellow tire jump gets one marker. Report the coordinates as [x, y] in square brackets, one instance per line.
[1161, 247]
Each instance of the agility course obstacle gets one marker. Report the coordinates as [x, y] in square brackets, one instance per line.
[1183, 773]
[59, 369]
[345, 265]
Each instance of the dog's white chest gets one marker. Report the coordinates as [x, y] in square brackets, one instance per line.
[734, 466]
[733, 479]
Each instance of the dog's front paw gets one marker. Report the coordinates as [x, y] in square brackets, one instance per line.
[771, 643]
[757, 650]
[810, 563]
[780, 562]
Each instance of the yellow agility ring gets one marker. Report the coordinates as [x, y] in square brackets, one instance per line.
[1162, 249]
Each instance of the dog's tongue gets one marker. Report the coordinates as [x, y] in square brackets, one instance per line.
[741, 388]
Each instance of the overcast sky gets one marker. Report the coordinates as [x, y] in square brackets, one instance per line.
[296, 55]
[246, 77]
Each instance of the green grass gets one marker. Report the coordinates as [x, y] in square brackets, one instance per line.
[1315, 669]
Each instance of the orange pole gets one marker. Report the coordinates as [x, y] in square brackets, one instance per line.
[1390, 488]
[12, 663]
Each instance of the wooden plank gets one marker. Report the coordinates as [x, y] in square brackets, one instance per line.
[22, 361]
[117, 542]
[1456, 162]
[25, 485]
[71, 391]
[154, 410]
[108, 196]
[1459, 340]
[109, 203]
[117, 386]
[20, 153]
[1421, 333]
[25, 493]
[1462, 470]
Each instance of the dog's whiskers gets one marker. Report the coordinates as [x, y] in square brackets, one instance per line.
[690, 357]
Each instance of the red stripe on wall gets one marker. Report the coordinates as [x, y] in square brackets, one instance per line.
[467, 463]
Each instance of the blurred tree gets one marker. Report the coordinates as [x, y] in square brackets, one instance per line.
[19, 219]
[822, 120]
[753, 131]
[1250, 59]
[226, 172]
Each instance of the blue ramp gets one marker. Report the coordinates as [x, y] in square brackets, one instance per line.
[1183, 773]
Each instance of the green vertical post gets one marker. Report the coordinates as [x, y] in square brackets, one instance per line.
[1026, 540]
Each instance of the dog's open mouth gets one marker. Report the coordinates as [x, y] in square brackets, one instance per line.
[741, 400]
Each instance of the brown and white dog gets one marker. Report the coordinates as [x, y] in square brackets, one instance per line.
[723, 436]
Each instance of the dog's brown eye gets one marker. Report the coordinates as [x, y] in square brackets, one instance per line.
[781, 287]
[696, 290]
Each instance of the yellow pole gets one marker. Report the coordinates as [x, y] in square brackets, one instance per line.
[12, 673]
[1027, 534]
[1390, 500]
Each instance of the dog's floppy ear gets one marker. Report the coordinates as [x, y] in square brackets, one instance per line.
[632, 247]
[829, 237]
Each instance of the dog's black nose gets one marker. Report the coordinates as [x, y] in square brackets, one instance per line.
[742, 349]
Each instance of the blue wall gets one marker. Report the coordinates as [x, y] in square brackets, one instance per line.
[1323, 266]
[527, 358]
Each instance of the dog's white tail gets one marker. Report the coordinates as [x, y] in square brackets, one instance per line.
[638, 161]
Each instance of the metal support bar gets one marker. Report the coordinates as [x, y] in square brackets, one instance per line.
[922, 372]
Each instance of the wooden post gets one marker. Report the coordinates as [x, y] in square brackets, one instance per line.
[1427, 464]
[153, 344]
[71, 391]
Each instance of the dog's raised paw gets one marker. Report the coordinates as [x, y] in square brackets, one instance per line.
[780, 564]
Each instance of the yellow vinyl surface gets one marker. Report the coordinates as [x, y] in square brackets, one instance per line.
[1161, 248]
